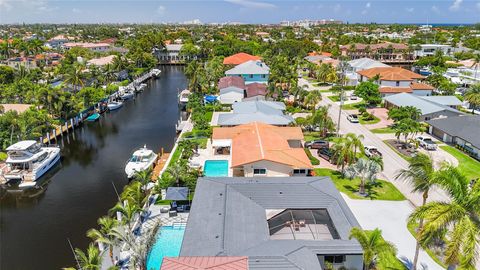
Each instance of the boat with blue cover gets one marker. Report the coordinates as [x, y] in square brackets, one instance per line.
[93, 117]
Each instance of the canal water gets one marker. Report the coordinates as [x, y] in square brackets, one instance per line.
[35, 225]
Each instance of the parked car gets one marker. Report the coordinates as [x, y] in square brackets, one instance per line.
[426, 142]
[326, 154]
[317, 144]
[353, 118]
[372, 151]
[353, 97]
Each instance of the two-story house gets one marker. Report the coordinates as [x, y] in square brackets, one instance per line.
[251, 71]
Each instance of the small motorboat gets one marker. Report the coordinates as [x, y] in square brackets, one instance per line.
[93, 117]
[114, 105]
[183, 96]
[141, 87]
[156, 72]
[141, 160]
[128, 94]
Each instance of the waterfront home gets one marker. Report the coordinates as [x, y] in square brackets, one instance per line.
[395, 80]
[258, 149]
[94, 47]
[278, 223]
[360, 64]
[232, 89]
[432, 49]
[430, 107]
[227, 81]
[251, 71]
[240, 58]
[268, 112]
[463, 131]
[170, 54]
[102, 61]
[255, 91]
[387, 52]
[57, 41]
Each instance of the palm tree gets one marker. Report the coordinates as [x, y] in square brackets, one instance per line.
[323, 121]
[476, 63]
[355, 141]
[312, 99]
[103, 235]
[366, 170]
[91, 260]
[457, 220]
[127, 210]
[134, 193]
[343, 153]
[473, 96]
[373, 246]
[144, 177]
[75, 77]
[420, 175]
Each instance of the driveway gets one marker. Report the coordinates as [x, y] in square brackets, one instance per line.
[382, 114]
[379, 214]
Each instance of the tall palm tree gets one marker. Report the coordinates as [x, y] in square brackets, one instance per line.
[91, 260]
[420, 175]
[103, 235]
[312, 99]
[323, 121]
[373, 246]
[143, 177]
[473, 96]
[75, 77]
[476, 63]
[457, 220]
[134, 193]
[366, 170]
[127, 210]
[355, 141]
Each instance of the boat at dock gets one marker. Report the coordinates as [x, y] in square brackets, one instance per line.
[156, 72]
[93, 117]
[114, 105]
[127, 93]
[28, 160]
[140, 87]
[141, 160]
[183, 96]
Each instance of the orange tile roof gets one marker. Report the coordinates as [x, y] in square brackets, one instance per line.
[421, 86]
[239, 58]
[390, 74]
[204, 263]
[258, 141]
[389, 90]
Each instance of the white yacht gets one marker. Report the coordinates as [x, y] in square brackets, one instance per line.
[141, 87]
[27, 161]
[183, 96]
[113, 105]
[141, 160]
[156, 72]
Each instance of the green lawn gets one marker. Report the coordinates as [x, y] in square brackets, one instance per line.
[352, 106]
[313, 159]
[335, 98]
[434, 255]
[469, 166]
[380, 190]
[311, 135]
[384, 130]
[369, 122]
[209, 116]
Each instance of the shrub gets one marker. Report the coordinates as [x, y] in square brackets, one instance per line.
[313, 159]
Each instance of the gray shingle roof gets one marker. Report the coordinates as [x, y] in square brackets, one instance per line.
[443, 100]
[426, 106]
[366, 63]
[465, 127]
[231, 89]
[267, 112]
[249, 67]
[228, 218]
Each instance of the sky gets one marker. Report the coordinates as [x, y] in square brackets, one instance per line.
[245, 11]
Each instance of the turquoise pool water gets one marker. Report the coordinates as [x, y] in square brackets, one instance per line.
[169, 242]
[216, 168]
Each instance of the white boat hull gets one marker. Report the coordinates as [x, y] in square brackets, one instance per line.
[29, 179]
[127, 95]
[114, 105]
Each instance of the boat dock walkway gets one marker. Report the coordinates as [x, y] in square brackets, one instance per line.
[159, 165]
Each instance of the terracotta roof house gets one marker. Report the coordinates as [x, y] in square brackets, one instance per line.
[395, 80]
[386, 52]
[205, 263]
[228, 81]
[102, 61]
[258, 149]
[268, 112]
[255, 91]
[96, 47]
[279, 223]
[239, 58]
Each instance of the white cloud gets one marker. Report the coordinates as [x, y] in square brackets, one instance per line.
[455, 5]
[76, 10]
[4, 4]
[410, 10]
[161, 10]
[251, 4]
[368, 5]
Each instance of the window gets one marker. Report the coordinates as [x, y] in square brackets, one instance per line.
[259, 171]
[250, 76]
[335, 259]
[264, 76]
[397, 83]
[299, 171]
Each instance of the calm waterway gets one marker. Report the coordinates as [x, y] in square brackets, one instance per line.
[34, 227]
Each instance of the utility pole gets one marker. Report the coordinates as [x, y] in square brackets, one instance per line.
[342, 79]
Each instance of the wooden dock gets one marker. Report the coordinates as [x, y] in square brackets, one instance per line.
[161, 162]
[60, 130]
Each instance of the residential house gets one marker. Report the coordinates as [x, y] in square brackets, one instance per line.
[322, 59]
[268, 112]
[251, 71]
[394, 80]
[102, 61]
[296, 223]
[17, 62]
[360, 64]
[431, 49]
[205, 263]
[256, 91]
[463, 131]
[259, 149]
[171, 54]
[57, 41]
[429, 108]
[240, 58]
[387, 52]
[232, 89]
[94, 47]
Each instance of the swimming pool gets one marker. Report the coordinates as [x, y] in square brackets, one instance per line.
[216, 168]
[168, 244]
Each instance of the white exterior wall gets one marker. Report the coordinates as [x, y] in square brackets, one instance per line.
[230, 98]
[422, 92]
[354, 262]
[394, 83]
[274, 169]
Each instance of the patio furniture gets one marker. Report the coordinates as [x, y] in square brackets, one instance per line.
[172, 213]
[181, 208]
[301, 223]
[164, 210]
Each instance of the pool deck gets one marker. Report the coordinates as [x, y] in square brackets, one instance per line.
[208, 154]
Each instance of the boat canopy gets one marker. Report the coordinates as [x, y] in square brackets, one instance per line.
[22, 145]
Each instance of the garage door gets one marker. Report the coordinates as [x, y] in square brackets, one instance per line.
[437, 133]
